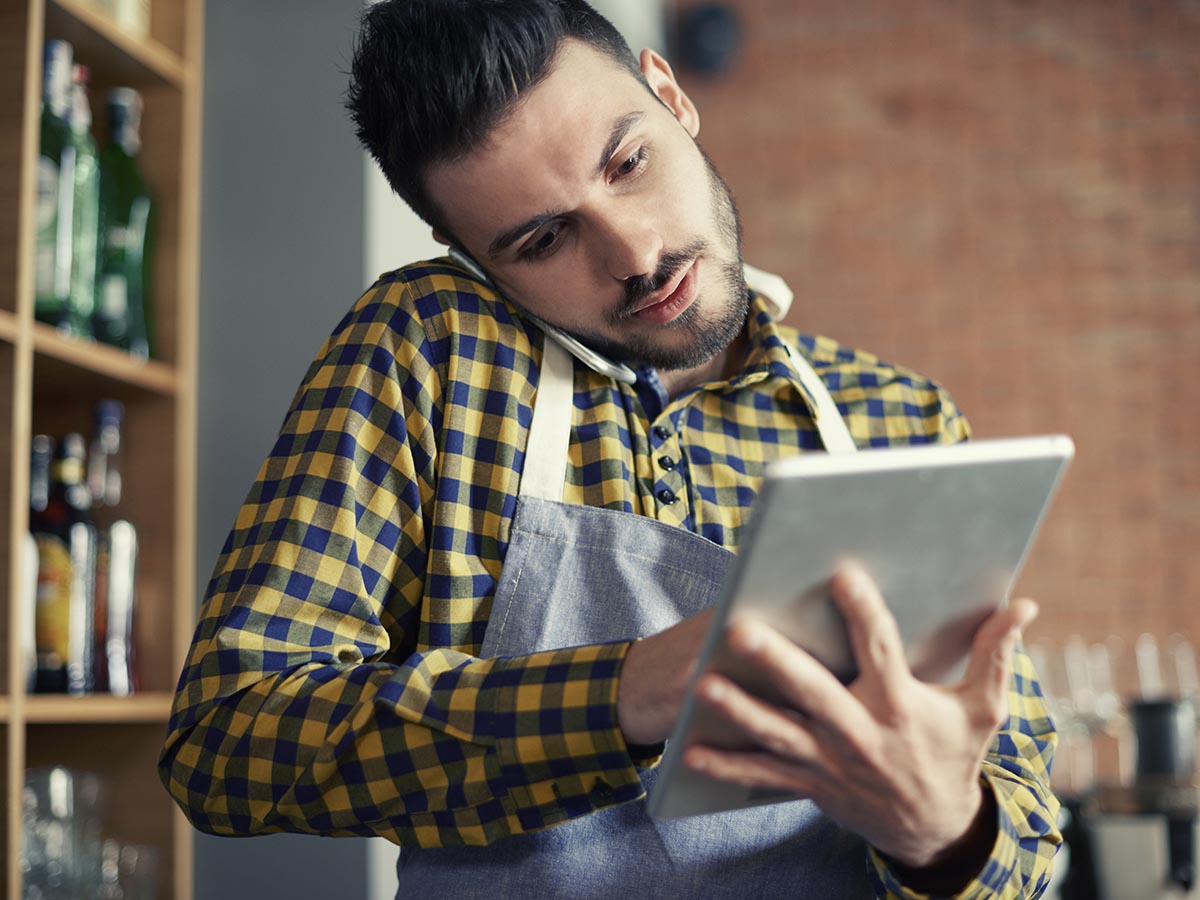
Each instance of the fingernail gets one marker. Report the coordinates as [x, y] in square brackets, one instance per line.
[751, 639]
[854, 580]
[1029, 611]
[744, 637]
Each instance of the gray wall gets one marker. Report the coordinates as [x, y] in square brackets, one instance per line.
[281, 261]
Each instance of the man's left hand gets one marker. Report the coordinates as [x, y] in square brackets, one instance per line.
[895, 759]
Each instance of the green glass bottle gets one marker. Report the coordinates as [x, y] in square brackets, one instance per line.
[85, 230]
[55, 195]
[123, 300]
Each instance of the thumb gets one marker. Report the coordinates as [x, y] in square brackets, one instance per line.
[989, 671]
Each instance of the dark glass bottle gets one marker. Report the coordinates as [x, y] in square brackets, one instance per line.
[104, 456]
[66, 539]
[34, 580]
[123, 303]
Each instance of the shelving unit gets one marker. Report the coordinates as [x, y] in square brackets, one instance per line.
[49, 383]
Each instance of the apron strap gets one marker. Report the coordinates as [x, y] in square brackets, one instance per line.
[545, 470]
[830, 425]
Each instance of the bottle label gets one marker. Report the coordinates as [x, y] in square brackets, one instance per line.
[46, 255]
[65, 223]
[118, 237]
[69, 470]
[114, 297]
[28, 620]
[53, 611]
[47, 192]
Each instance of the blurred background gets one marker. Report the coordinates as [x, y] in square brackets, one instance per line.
[1004, 196]
[1001, 194]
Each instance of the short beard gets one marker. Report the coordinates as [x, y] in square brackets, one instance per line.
[709, 336]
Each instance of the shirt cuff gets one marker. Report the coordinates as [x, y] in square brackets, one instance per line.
[553, 717]
[993, 880]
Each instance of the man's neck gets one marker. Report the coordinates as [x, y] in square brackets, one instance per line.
[721, 367]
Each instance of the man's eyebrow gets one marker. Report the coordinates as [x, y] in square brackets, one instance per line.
[620, 129]
[510, 237]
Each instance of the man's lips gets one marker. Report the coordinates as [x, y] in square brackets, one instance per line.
[675, 293]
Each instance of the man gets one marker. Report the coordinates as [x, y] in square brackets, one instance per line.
[463, 600]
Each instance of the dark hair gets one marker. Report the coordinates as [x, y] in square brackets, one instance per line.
[431, 79]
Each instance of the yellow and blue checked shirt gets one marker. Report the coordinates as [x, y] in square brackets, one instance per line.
[333, 683]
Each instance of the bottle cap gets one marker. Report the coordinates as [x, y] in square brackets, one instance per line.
[110, 412]
[56, 76]
[81, 111]
[125, 118]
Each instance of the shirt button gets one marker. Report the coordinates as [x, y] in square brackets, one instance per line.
[662, 432]
[666, 462]
[667, 497]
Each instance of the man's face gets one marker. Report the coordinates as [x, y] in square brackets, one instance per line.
[593, 208]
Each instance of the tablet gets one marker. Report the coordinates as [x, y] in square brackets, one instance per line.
[943, 530]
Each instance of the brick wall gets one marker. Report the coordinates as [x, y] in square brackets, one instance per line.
[1005, 196]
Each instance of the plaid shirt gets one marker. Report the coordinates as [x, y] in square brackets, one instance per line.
[334, 684]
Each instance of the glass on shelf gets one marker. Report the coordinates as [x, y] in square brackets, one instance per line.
[60, 849]
[129, 16]
[65, 850]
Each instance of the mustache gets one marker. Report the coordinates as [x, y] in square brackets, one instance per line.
[639, 287]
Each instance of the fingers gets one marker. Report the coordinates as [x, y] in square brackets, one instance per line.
[990, 668]
[878, 649]
[781, 731]
[795, 678]
[654, 677]
[751, 769]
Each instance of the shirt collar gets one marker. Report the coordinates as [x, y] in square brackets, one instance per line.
[769, 353]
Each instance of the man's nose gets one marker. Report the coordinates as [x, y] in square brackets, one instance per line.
[632, 248]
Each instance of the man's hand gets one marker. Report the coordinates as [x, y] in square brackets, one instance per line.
[892, 758]
[655, 677]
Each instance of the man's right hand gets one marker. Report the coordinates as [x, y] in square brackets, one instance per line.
[654, 678]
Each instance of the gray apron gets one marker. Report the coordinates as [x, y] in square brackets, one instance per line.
[579, 575]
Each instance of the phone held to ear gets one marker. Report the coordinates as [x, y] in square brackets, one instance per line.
[584, 354]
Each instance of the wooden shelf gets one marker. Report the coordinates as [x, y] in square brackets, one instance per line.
[8, 327]
[63, 359]
[111, 52]
[94, 708]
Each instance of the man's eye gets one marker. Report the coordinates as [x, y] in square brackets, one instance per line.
[543, 245]
[631, 164]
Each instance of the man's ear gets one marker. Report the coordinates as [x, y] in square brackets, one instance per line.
[662, 81]
[441, 238]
